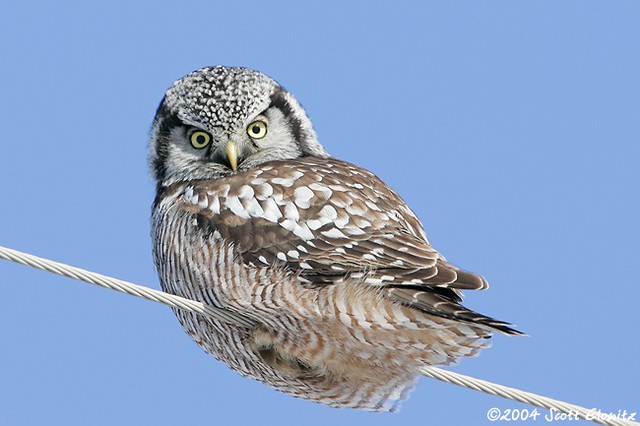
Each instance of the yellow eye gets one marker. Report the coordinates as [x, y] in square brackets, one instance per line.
[257, 129]
[200, 139]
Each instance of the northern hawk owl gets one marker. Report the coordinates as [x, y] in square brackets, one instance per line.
[253, 215]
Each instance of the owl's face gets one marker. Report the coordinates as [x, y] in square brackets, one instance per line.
[218, 121]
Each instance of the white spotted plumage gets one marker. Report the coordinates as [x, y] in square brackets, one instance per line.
[349, 297]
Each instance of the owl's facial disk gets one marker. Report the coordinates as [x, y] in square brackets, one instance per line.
[263, 137]
[218, 121]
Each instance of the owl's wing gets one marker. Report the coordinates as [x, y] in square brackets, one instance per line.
[330, 221]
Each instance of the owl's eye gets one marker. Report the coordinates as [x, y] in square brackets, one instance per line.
[200, 139]
[257, 129]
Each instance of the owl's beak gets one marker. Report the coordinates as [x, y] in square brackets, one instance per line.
[232, 154]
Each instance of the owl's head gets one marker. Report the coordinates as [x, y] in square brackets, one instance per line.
[221, 120]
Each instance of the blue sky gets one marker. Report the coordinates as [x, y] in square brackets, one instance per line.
[511, 128]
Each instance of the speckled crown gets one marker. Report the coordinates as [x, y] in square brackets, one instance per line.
[220, 97]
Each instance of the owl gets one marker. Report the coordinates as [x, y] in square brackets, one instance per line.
[253, 215]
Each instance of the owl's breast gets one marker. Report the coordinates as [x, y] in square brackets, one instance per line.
[191, 262]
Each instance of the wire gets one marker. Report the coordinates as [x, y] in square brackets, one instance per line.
[575, 411]
[235, 318]
[125, 287]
